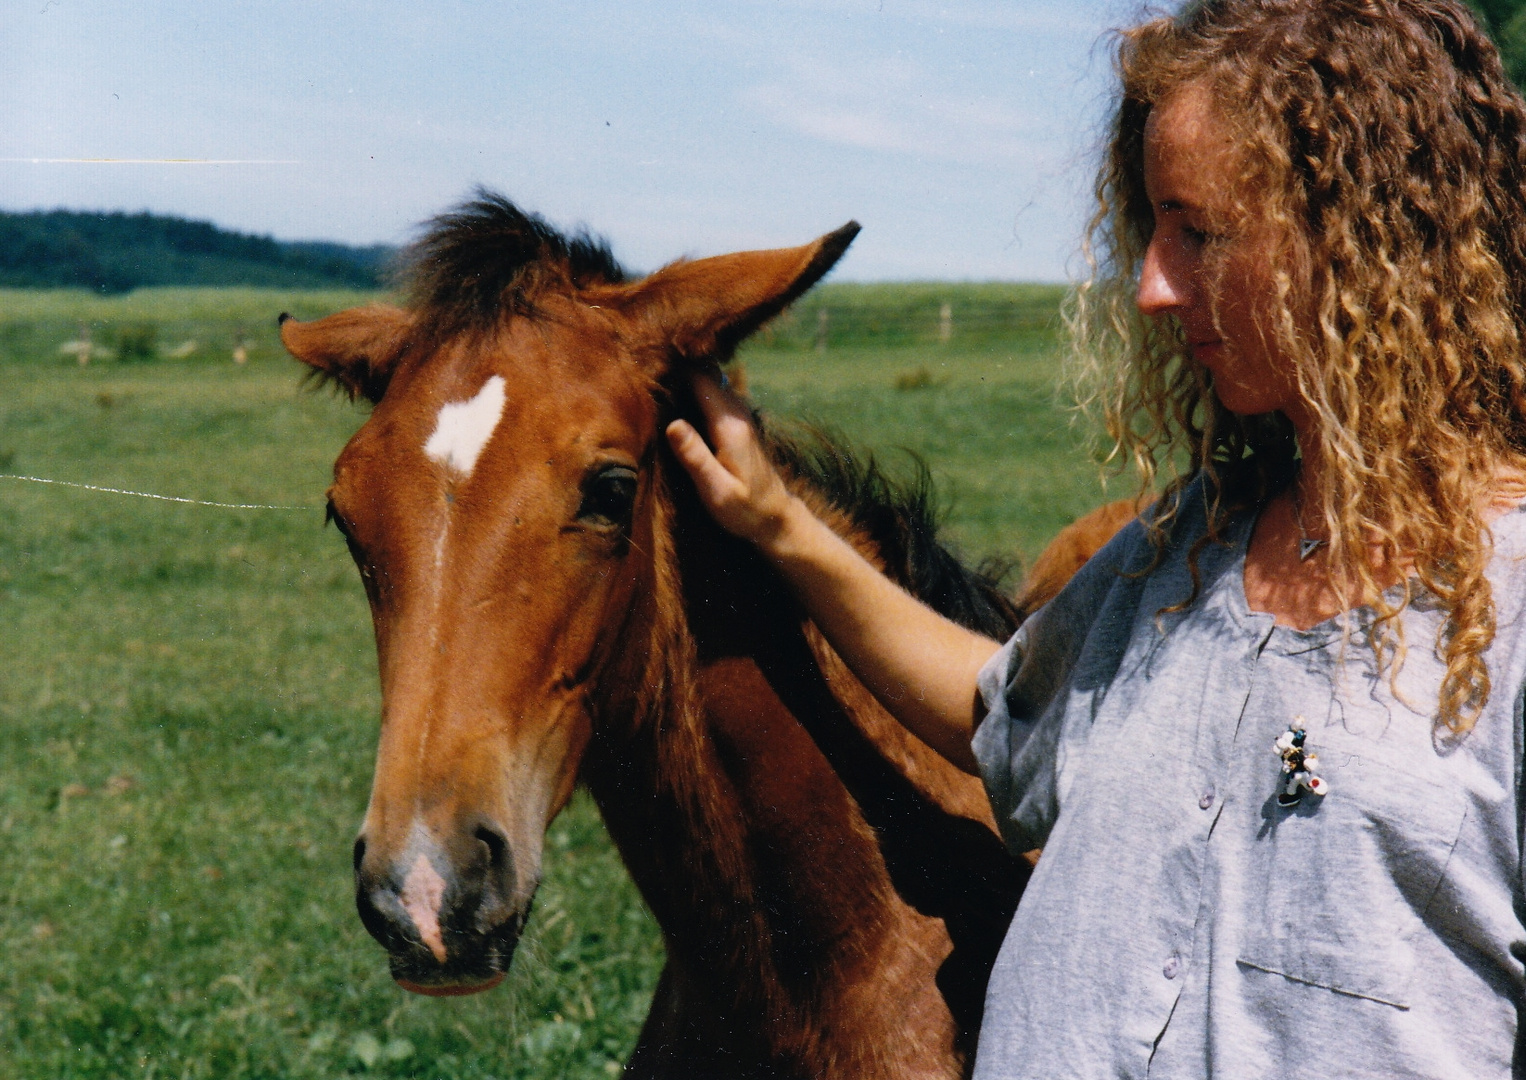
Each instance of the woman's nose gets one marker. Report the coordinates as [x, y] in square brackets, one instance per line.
[1162, 289]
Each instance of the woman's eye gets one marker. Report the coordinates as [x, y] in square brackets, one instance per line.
[1205, 237]
[609, 496]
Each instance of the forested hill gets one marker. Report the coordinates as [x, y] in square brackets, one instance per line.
[116, 252]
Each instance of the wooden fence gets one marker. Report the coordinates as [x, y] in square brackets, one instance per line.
[844, 314]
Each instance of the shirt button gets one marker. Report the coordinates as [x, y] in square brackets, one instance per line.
[1172, 966]
[1205, 800]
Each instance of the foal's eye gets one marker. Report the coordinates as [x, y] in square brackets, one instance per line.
[331, 517]
[609, 496]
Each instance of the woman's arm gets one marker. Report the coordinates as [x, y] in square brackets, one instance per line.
[919, 665]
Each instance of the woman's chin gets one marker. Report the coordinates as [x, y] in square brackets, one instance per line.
[1207, 352]
[1251, 400]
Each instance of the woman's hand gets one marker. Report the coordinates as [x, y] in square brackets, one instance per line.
[919, 665]
[737, 483]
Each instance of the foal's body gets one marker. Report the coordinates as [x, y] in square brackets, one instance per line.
[551, 604]
[841, 892]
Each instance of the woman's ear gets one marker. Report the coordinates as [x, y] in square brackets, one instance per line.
[357, 348]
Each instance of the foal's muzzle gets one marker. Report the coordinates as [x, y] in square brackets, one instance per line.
[445, 912]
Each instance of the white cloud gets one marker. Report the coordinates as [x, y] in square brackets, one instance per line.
[896, 106]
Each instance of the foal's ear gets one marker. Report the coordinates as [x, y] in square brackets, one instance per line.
[707, 307]
[357, 348]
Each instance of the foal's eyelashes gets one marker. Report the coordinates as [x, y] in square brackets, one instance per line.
[333, 517]
[609, 496]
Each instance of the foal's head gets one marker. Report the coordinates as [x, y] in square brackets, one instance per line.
[503, 507]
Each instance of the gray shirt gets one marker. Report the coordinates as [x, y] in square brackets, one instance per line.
[1183, 924]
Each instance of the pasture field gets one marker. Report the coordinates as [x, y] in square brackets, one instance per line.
[188, 695]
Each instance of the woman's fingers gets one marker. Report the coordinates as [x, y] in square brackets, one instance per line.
[736, 481]
[729, 421]
[722, 492]
[714, 399]
[731, 434]
[712, 478]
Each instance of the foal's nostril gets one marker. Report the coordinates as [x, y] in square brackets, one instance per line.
[444, 907]
[497, 847]
[495, 878]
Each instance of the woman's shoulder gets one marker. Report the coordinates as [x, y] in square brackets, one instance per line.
[1507, 570]
[1151, 529]
[1078, 543]
[1183, 511]
[1168, 526]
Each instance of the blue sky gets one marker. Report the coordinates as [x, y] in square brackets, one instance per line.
[960, 134]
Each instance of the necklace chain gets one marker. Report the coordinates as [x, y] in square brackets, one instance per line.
[1306, 546]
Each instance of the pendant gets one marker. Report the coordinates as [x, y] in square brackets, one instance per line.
[1307, 547]
[1298, 765]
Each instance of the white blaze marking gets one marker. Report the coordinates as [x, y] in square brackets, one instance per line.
[463, 428]
[423, 891]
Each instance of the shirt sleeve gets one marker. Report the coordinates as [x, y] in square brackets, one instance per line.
[1016, 744]
[992, 743]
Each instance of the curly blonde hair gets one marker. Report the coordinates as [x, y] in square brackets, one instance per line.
[1386, 152]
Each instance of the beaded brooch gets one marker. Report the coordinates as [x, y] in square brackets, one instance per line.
[1298, 766]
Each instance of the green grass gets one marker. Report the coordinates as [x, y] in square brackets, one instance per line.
[188, 700]
[1010, 466]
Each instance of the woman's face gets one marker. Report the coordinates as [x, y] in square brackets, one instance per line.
[1226, 313]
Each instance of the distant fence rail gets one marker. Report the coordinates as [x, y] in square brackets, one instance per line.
[845, 314]
[219, 323]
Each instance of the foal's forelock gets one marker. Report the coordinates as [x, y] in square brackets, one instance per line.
[488, 259]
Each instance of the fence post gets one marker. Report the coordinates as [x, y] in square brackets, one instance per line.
[821, 330]
[945, 322]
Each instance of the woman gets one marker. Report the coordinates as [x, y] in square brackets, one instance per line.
[1270, 739]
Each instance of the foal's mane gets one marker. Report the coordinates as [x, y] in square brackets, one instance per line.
[902, 518]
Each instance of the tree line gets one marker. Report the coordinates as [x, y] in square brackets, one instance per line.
[117, 252]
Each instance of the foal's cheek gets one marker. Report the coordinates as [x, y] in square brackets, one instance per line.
[579, 734]
[596, 588]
